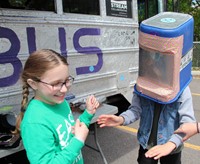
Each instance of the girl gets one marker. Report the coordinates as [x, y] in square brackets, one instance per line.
[46, 123]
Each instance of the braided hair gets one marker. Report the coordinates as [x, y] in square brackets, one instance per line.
[35, 66]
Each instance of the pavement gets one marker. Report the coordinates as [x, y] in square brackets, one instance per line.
[195, 73]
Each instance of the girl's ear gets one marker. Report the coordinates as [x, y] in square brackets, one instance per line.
[32, 83]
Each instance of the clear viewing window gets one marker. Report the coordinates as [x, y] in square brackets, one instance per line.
[42, 5]
[156, 66]
[81, 6]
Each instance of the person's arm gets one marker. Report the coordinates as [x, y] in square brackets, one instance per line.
[91, 106]
[189, 129]
[186, 114]
[110, 120]
[125, 118]
[133, 112]
[86, 118]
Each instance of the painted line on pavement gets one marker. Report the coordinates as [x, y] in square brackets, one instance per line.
[195, 94]
[194, 147]
[129, 129]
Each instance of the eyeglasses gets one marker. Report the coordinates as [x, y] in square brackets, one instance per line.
[58, 86]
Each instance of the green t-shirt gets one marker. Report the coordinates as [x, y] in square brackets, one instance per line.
[46, 133]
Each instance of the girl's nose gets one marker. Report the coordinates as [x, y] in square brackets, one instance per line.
[64, 88]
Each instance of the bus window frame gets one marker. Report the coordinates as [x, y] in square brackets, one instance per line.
[58, 13]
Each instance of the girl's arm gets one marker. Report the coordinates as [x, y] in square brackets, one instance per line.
[189, 129]
[186, 114]
[91, 106]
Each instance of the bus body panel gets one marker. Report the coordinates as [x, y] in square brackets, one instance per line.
[102, 52]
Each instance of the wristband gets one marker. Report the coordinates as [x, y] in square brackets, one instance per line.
[198, 131]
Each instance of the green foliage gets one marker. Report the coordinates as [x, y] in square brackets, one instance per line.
[182, 6]
[188, 7]
[196, 15]
[196, 56]
[141, 10]
[152, 9]
[17, 3]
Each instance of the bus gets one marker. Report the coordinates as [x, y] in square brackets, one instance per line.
[99, 38]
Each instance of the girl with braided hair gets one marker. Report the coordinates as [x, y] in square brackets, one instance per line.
[46, 123]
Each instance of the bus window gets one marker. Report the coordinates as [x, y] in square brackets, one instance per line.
[147, 9]
[42, 5]
[81, 6]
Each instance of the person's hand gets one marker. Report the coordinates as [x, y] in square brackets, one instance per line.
[91, 104]
[189, 129]
[159, 151]
[80, 131]
[110, 120]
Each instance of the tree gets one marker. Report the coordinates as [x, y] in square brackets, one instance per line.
[188, 7]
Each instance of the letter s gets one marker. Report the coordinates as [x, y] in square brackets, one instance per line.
[88, 50]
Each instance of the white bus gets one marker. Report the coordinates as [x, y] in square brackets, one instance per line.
[98, 37]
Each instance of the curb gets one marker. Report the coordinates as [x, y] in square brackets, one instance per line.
[195, 73]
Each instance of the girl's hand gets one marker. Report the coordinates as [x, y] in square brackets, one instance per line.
[159, 151]
[110, 120]
[91, 104]
[80, 131]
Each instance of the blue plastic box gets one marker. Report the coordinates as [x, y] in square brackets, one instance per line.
[172, 25]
